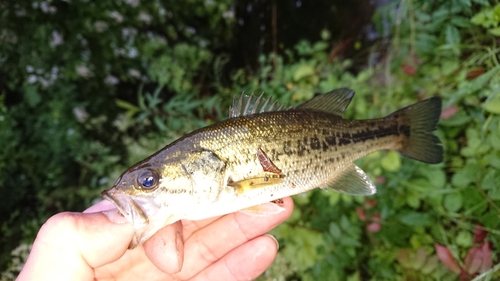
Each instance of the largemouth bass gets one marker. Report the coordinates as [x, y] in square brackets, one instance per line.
[261, 154]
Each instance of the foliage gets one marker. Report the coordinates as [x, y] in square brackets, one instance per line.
[67, 70]
[81, 102]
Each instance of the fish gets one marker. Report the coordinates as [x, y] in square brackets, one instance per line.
[264, 152]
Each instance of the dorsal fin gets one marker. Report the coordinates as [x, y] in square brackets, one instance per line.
[334, 102]
[248, 105]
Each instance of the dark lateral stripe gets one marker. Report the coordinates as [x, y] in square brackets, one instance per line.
[305, 145]
[372, 133]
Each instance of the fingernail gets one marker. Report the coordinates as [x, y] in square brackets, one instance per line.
[275, 241]
[115, 216]
[179, 247]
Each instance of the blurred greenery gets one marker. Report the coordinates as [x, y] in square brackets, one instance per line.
[88, 88]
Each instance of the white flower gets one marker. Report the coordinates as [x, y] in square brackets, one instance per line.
[47, 8]
[191, 30]
[119, 52]
[53, 73]
[112, 80]
[8, 36]
[56, 40]
[32, 79]
[100, 26]
[228, 14]
[134, 73]
[30, 68]
[45, 83]
[145, 17]
[81, 114]
[128, 32]
[116, 16]
[20, 12]
[133, 3]
[132, 53]
[84, 71]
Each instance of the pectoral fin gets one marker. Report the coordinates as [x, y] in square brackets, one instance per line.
[259, 181]
[265, 209]
[353, 181]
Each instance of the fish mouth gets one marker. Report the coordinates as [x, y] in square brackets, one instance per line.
[129, 209]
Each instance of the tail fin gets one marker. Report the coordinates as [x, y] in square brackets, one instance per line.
[422, 119]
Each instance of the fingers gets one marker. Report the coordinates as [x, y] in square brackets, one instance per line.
[165, 249]
[246, 262]
[190, 226]
[215, 240]
[76, 243]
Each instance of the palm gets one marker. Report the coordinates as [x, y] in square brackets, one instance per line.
[214, 249]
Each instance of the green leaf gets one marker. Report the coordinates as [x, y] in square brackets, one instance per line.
[391, 162]
[465, 3]
[31, 95]
[302, 71]
[437, 177]
[493, 105]
[345, 223]
[459, 119]
[412, 218]
[493, 159]
[464, 239]
[490, 220]
[354, 277]
[482, 2]
[349, 241]
[325, 34]
[494, 194]
[430, 265]
[469, 173]
[160, 124]
[320, 46]
[335, 230]
[495, 31]
[472, 147]
[426, 43]
[413, 200]
[305, 242]
[453, 201]
[461, 21]
[491, 180]
[333, 198]
[494, 140]
[452, 35]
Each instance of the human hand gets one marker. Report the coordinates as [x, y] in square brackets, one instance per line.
[93, 246]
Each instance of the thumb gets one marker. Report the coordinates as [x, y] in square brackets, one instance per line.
[70, 245]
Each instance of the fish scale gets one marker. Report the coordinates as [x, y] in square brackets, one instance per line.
[283, 140]
[250, 159]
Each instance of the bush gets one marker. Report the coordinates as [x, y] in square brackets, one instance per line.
[81, 102]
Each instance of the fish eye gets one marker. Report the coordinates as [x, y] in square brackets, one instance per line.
[147, 179]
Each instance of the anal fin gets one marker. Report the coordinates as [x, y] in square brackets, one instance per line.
[259, 181]
[353, 181]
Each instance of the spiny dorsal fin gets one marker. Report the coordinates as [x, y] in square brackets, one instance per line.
[248, 105]
[334, 102]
